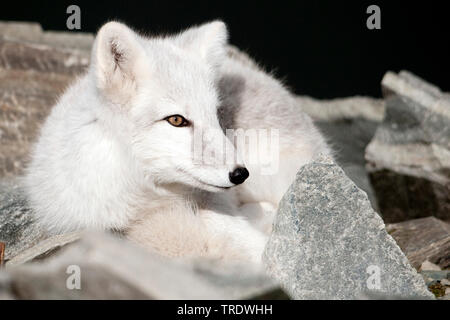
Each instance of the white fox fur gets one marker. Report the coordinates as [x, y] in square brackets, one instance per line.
[107, 159]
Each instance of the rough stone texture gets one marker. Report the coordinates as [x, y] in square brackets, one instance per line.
[35, 68]
[26, 98]
[409, 156]
[23, 31]
[326, 236]
[41, 58]
[348, 124]
[17, 228]
[113, 268]
[423, 239]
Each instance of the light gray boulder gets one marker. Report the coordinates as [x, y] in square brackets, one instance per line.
[423, 239]
[43, 249]
[409, 156]
[328, 242]
[113, 268]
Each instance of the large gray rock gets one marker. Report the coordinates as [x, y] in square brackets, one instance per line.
[409, 156]
[17, 225]
[327, 241]
[423, 239]
[113, 268]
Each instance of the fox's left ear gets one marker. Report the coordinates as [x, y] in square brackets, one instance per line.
[208, 40]
[119, 62]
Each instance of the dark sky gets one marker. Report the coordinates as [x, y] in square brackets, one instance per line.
[321, 48]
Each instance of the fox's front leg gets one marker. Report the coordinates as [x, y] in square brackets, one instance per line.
[233, 237]
[260, 215]
[183, 232]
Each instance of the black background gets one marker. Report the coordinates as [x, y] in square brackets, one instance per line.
[320, 48]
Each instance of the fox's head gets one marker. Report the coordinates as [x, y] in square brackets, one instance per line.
[163, 92]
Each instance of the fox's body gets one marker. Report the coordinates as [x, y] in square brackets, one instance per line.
[107, 158]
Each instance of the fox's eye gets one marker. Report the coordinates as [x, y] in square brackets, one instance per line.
[177, 121]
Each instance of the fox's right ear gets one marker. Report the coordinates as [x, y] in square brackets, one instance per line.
[208, 41]
[119, 62]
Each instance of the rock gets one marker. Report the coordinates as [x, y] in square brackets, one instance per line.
[113, 268]
[409, 156]
[35, 68]
[22, 31]
[423, 239]
[41, 58]
[31, 79]
[17, 228]
[429, 266]
[328, 242]
[44, 249]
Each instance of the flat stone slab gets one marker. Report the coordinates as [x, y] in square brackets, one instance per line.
[113, 268]
[43, 249]
[423, 239]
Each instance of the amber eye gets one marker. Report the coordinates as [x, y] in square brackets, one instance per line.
[177, 121]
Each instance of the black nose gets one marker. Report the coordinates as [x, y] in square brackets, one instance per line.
[239, 175]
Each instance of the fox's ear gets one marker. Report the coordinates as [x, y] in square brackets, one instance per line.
[208, 41]
[119, 61]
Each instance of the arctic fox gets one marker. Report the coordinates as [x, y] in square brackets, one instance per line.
[116, 152]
